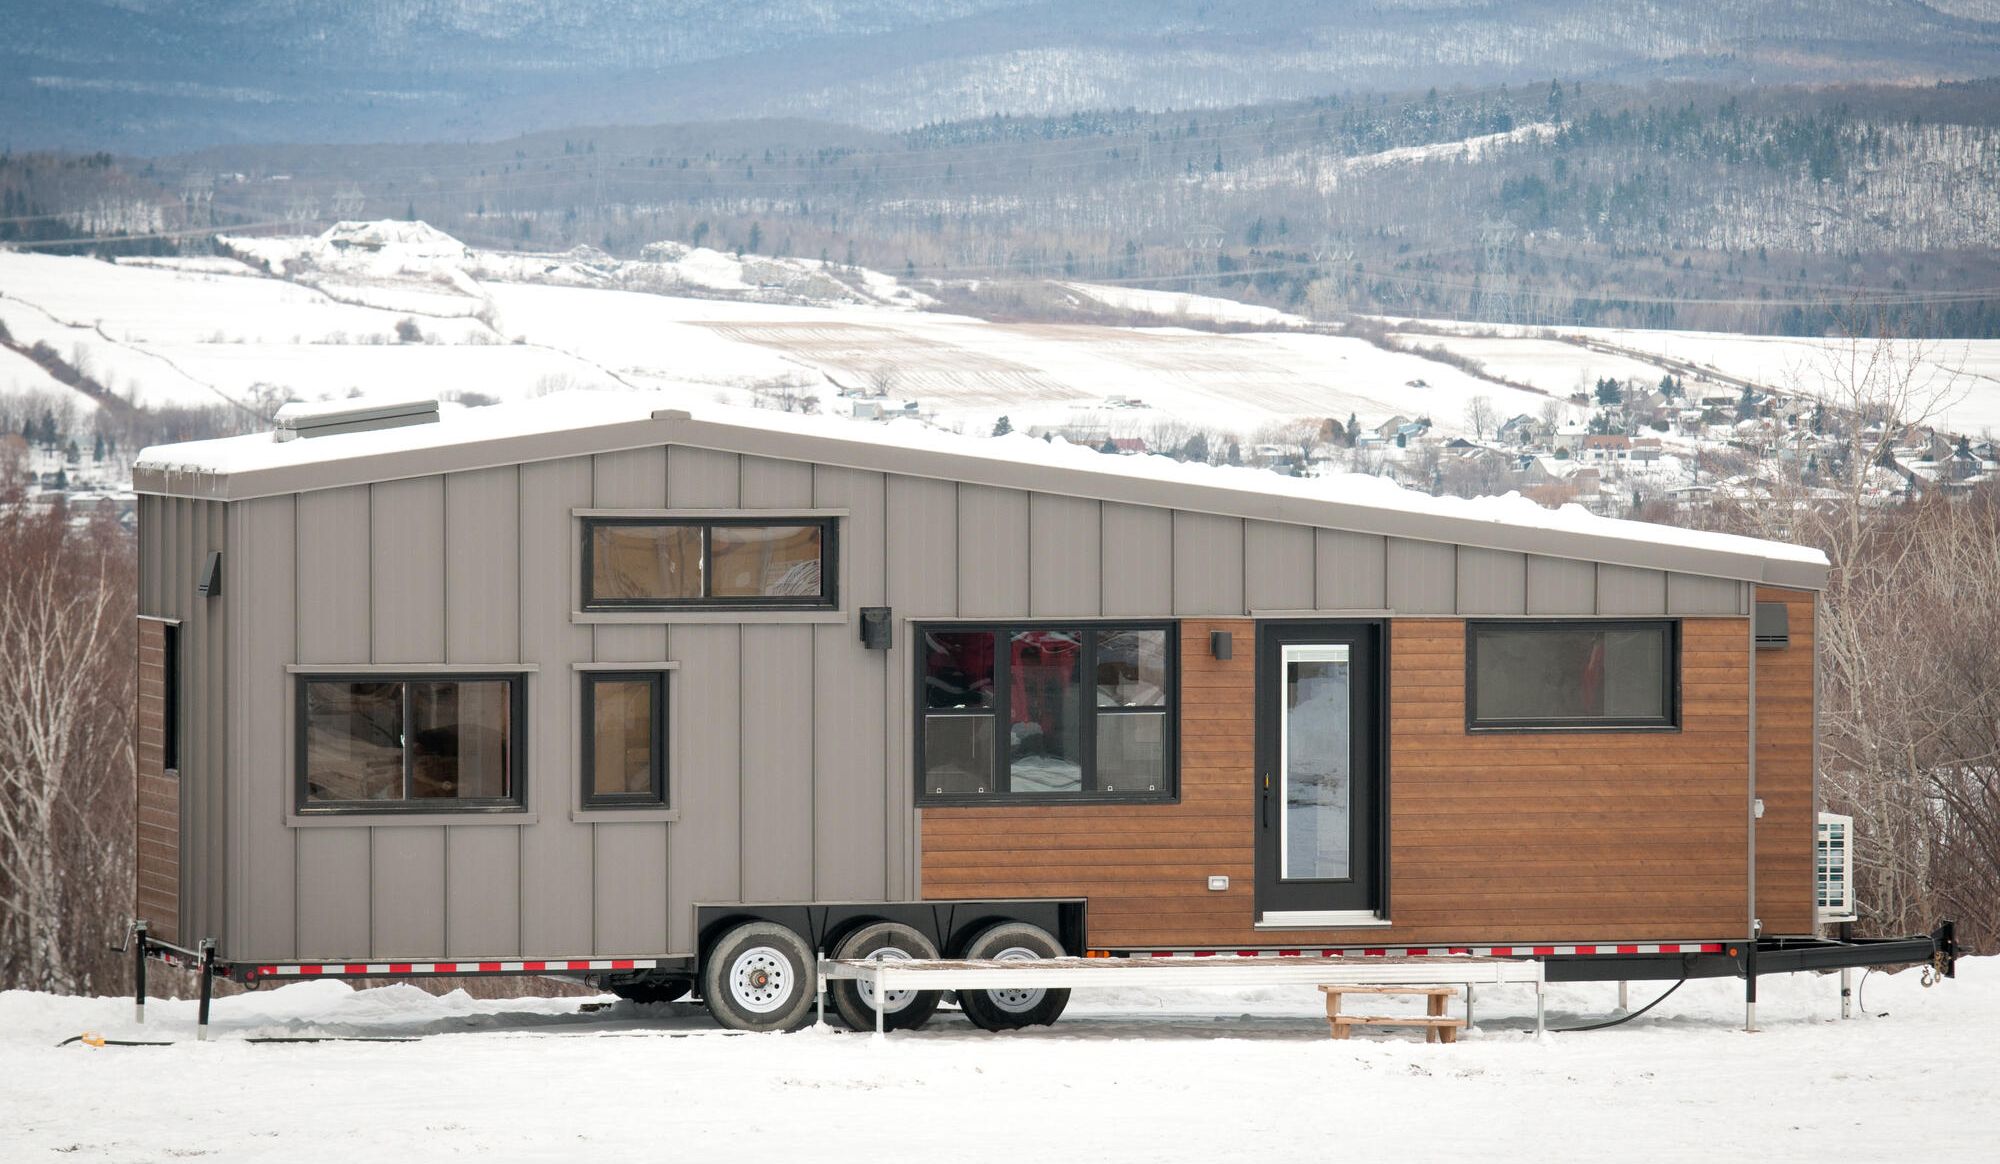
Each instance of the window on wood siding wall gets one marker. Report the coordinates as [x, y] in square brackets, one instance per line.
[1590, 676]
[1047, 713]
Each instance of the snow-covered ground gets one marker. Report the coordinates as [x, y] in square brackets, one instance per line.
[1127, 1075]
[397, 307]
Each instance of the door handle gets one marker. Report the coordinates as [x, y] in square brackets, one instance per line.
[1264, 803]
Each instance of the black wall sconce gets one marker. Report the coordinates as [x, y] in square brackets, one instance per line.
[210, 583]
[1221, 645]
[877, 628]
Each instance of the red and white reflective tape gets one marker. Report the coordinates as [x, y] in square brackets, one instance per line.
[1526, 951]
[356, 969]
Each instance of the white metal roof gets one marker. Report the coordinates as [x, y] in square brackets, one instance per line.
[582, 423]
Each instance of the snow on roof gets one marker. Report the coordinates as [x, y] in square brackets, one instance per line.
[580, 423]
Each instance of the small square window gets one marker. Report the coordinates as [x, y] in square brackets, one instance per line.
[624, 739]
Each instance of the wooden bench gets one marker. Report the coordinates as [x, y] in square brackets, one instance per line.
[1437, 1025]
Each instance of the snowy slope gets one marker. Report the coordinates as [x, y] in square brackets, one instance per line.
[327, 315]
[1126, 1075]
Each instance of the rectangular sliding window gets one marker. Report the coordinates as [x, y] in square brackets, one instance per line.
[1046, 713]
[1572, 675]
[667, 563]
[382, 743]
[624, 739]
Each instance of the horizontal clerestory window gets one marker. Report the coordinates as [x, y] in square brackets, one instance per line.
[430, 743]
[667, 563]
[1047, 713]
[1576, 675]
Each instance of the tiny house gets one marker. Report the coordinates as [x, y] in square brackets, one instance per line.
[673, 702]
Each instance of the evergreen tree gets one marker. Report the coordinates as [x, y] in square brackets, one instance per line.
[1002, 427]
[1746, 404]
[71, 453]
[1109, 447]
[1609, 392]
[1353, 430]
[1235, 453]
[62, 478]
[97, 449]
[1196, 448]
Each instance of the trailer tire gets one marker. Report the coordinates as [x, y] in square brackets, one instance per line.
[760, 977]
[903, 1010]
[1012, 1008]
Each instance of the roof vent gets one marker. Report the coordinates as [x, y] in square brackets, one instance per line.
[1774, 626]
[333, 417]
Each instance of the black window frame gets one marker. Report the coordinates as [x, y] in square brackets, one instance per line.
[1087, 630]
[1671, 679]
[657, 796]
[517, 748]
[829, 565]
[170, 697]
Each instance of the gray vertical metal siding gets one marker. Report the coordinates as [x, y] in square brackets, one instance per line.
[1278, 566]
[1351, 570]
[1208, 564]
[1491, 582]
[205, 803]
[1422, 577]
[629, 890]
[775, 842]
[334, 893]
[557, 867]
[1065, 548]
[1628, 590]
[1561, 586]
[261, 589]
[922, 547]
[406, 892]
[1138, 562]
[406, 571]
[705, 862]
[482, 566]
[993, 552]
[482, 878]
[853, 808]
[1695, 595]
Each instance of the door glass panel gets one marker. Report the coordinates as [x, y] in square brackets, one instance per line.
[1315, 763]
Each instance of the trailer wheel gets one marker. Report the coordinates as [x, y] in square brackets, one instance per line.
[902, 1010]
[760, 977]
[1012, 1007]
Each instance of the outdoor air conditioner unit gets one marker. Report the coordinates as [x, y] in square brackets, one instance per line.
[1833, 867]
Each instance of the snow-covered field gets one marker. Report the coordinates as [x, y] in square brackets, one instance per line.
[1157, 1076]
[396, 308]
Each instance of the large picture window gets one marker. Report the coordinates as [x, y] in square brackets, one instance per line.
[666, 563]
[435, 743]
[1049, 713]
[1576, 675]
[624, 739]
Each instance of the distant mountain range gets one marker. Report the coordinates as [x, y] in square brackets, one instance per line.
[155, 76]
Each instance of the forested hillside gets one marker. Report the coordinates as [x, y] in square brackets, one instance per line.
[153, 76]
[1561, 202]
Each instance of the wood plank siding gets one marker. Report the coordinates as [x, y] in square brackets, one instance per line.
[1785, 762]
[158, 806]
[1493, 837]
